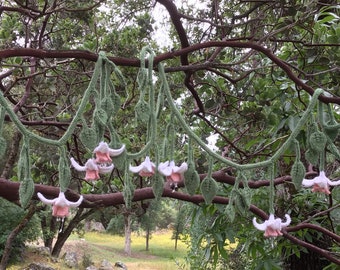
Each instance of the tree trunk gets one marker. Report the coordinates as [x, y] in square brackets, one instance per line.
[127, 227]
[48, 229]
[147, 238]
[176, 241]
[13, 234]
[12, 155]
[64, 234]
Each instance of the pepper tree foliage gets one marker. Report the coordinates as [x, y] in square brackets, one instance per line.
[260, 76]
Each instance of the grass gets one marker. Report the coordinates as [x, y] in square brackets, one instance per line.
[99, 246]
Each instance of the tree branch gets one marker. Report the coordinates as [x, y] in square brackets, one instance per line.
[121, 61]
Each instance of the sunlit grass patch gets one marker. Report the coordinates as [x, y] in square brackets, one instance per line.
[161, 253]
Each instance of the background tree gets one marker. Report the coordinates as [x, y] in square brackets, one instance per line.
[243, 72]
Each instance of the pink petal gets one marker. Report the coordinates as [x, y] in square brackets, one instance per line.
[60, 211]
[317, 188]
[92, 175]
[270, 232]
[103, 157]
[146, 173]
[174, 177]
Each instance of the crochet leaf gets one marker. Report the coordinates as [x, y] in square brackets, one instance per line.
[26, 191]
[120, 161]
[297, 173]
[157, 185]
[331, 131]
[116, 102]
[318, 141]
[230, 212]
[242, 201]
[312, 156]
[3, 146]
[191, 178]
[64, 171]
[88, 137]
[108, 106]
[100, 116]
[23, 163]
[142, 110]
[127, 194]
[208, 189]
[334, 150]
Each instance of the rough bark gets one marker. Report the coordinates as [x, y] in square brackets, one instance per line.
[128, 231]
[12, 155]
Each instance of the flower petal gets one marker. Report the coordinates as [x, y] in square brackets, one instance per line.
[116, 152]
[75, 204]
[288, 221]
[44, 200]
[136, 169]
[261, 227]
[333, 183]
[76, 165]
[106, 169]
[307, 183]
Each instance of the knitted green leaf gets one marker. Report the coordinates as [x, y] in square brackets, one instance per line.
[142, 110]
[318, 141]
[88, 137]
[127, 194]
[191, 178]
[64, 171]
[334, 150]
[331, 132]
[312, 156]
[230, 212]
[242, 202]
[3, 146]
[100, 130]
[23, 163]
[157, 185]
[108, 106]
[297, 173]
[142, 79]
[26, 191]
[116, 102]
[120, 161]
[100, 116]
[208, 189]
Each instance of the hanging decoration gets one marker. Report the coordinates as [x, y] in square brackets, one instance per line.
[98, 134]
[60, 206]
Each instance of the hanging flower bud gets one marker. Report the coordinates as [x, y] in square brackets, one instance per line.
[272, 227]
[103, 152]
[173, 173]
[320, 183]
[145, 169]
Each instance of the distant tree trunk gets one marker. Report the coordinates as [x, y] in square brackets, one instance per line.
[8, 246]
[176, 240]
[147, 238]
[127, 227]
[48, 230]
[64, 235]
[12, 155]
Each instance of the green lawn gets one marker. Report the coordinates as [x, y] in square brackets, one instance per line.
[99, 246]
[161, 254]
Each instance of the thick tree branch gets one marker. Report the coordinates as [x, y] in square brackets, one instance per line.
[9, 190]
[121, 61]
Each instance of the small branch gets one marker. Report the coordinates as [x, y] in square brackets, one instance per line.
[325, 253]
[13, 234]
